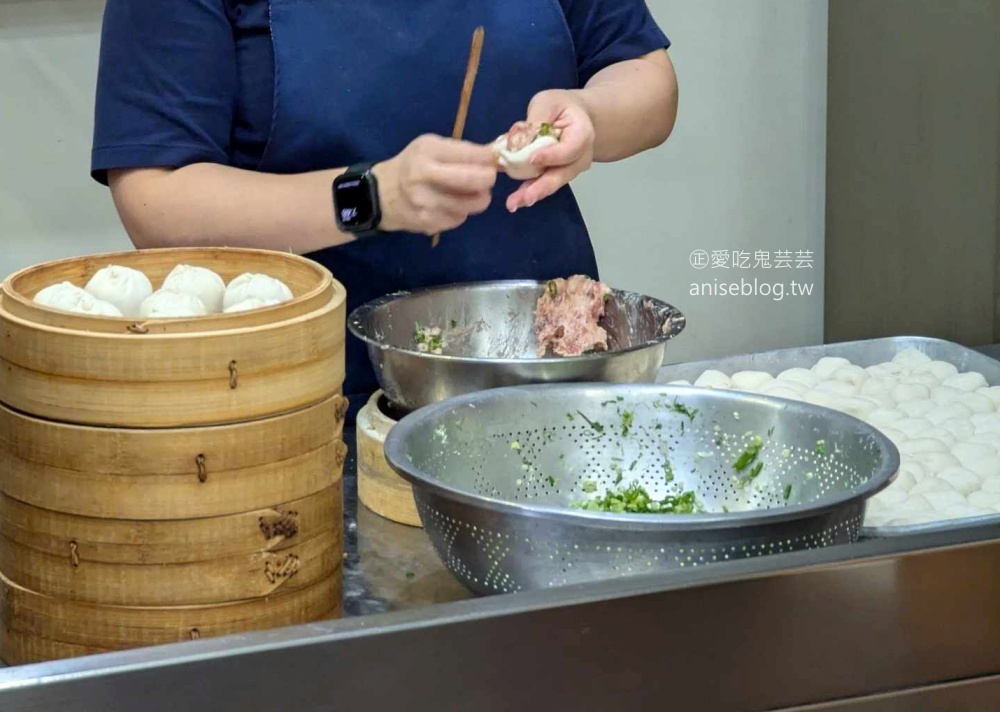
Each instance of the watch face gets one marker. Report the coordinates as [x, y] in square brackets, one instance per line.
[353, 202]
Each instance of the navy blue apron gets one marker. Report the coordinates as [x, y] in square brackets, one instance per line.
[357, 80]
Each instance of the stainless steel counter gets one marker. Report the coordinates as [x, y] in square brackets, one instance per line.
[905, 624]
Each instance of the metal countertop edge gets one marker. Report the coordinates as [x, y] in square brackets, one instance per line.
[112, 664]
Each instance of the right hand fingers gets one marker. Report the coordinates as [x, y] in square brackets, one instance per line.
[459, 179]
[449, 150]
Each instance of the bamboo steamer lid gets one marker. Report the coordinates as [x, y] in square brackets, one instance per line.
[231, 578]
[219, 368]
[81, 541]
[380, 489]
[171, 474]
[36, 628]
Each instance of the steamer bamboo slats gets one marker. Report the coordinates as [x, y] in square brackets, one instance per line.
[168, 479]
[38, 628]
[220, 368]
[175, 473]
[379, 487]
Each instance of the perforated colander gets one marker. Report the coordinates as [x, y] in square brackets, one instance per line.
[496, 475]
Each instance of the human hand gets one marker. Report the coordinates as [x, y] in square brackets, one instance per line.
[435, 184]
[564, 161]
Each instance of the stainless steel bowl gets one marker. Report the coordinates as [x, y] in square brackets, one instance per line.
[490, 342]
[494, 475]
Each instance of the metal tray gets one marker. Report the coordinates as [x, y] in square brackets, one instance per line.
[863, 353]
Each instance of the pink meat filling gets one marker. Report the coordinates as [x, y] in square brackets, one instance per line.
[567, 317]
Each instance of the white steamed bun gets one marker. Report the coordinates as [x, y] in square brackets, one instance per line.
[124, 287]
[165, 304]
[200, 282]
[255, 285]
[250, 304]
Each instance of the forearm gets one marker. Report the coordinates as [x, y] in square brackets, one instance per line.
[633, 106]
[209, 204]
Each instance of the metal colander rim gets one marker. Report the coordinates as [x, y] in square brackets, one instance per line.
[357, 317]
[885, 472]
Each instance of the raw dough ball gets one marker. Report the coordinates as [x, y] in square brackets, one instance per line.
[947, 412]
[911, 358]
[939, 369]
[878, 386]
[914, 503]
[920, 379]
[967, 382]
[799, 375]
[255, 285]
[836, 387]
[961, 479]
[857, 406]
[917, 445]
[915, 428]
[986, 422]
[931, 484]
[914, 469]
[935, 462]
[800, 389]
[941, 500]
[887, 370]
[712, 379]
[967, 453]
[906, 481]
[989, 439]
[200, 282]
[896, 436]
[883, 416]
[777, 390]
[977, 403]
[917, 408]
[993, 393]
[943, 395]
[904, 392]
[960, 428]
[855, 375]
[965, 511]
[251, 304]
[986, 468]
[986, 500]
[828, 365]
[890, 497]
[750, 380]
[991, 485]
[164, 304]
[124, 287]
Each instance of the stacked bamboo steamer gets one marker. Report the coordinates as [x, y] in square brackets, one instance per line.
[380, 489]
[169, 479]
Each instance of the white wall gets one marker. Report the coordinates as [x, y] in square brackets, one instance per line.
[743, 171]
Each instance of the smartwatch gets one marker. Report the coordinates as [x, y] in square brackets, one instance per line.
[355, 201]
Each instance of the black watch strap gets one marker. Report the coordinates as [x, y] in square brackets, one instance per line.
[359, 170]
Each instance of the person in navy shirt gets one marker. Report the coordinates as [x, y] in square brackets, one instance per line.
[220, 122]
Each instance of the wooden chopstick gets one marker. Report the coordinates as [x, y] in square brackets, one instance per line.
[463, 103]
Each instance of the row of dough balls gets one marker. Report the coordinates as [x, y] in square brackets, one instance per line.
[188, 291]
[945, 424]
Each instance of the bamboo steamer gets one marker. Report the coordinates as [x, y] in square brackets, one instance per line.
[115, 562]
[221, 368]
[380, 489]
[39, 628]
[171, 473]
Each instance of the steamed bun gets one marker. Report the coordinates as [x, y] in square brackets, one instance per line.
[67, 297]
[124, 287]
[260, 286]
[200, 282]
[251, 304]
[165, 304]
